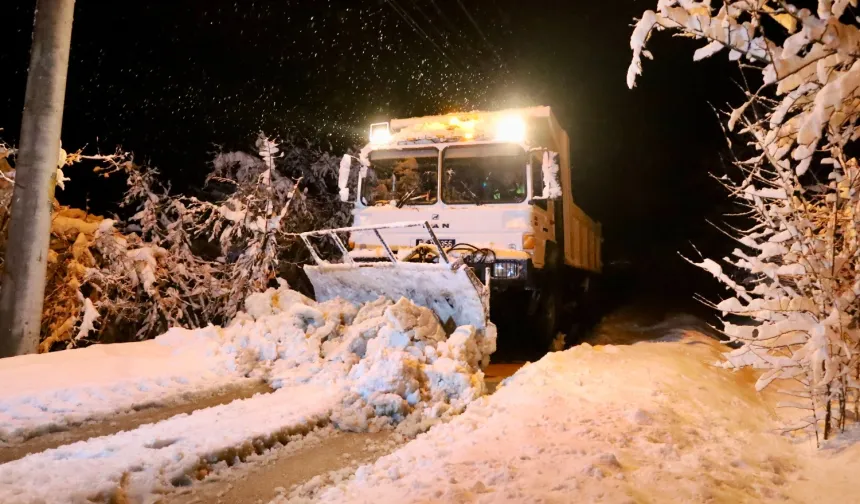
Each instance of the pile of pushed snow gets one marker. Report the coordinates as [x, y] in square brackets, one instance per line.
[651, 422]
[392, 360]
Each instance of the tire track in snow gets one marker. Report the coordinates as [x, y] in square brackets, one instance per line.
[131, 420]
[313, 457]
[319, 459]
[157, 457]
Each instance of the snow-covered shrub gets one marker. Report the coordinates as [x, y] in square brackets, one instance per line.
[801, 191]
[253, 206]
[180, 260]
[67, 314]
[7, 182]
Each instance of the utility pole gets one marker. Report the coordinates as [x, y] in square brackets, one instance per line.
[22, 292]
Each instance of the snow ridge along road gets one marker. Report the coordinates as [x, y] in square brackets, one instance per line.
[56, 391]
[132, 419]
[156, 457]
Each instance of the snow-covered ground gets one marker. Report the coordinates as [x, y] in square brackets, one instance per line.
[651, 422]
[648, 422]
[136, 464]
[285, 338]
[361, 368]
[52, 391]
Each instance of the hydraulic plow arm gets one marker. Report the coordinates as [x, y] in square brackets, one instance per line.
[332, 233]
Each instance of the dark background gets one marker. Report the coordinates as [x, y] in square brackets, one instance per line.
[170, 80]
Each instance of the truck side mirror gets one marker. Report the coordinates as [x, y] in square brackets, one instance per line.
[544, 175]
[362, 189]
[343, 176]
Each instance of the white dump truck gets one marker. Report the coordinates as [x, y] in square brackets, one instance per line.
[460, 210]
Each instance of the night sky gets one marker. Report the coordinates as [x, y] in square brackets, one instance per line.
[171, 79]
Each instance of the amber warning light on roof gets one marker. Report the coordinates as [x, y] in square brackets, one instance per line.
[380, 133]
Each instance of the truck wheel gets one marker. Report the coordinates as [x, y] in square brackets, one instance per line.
[583, 319]
[547, 319]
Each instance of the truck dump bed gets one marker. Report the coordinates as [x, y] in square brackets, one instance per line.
[582, 235]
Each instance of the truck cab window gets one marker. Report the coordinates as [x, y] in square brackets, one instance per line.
[409, 177]
[479, 174]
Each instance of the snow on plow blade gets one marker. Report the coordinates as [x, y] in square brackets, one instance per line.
[452, 291]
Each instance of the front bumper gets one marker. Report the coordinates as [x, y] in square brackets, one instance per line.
[502, 273]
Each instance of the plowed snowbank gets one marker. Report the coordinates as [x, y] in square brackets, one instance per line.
[651, 422]
[391, 360]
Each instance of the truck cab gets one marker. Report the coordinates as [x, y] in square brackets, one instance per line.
[495, 187]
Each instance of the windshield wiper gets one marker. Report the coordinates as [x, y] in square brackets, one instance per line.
[402, 201]
[472, 194]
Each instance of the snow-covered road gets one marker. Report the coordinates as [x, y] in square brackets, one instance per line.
[135, 464]
[375, 404]
[381, 365]
[133, 419]
[323, 455]
[59, 390]
[272, 463]
[321, 458]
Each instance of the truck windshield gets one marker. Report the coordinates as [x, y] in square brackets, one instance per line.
[479, 174]
[411, 177]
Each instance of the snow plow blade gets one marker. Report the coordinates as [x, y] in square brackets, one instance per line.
[452, 291]
[455, 294]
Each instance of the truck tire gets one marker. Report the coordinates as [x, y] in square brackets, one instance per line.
[586, 314]
[546, 318]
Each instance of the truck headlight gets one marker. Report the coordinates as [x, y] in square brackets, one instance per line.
[506, 270]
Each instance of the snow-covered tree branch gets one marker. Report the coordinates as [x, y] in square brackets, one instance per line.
[180, 260]
[801, 190]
